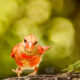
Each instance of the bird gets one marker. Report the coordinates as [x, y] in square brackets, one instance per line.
[28, 55]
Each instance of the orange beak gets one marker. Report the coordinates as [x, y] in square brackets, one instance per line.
[29, 45]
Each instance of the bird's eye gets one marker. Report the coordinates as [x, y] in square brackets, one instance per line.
[35, 43]
[25, 40]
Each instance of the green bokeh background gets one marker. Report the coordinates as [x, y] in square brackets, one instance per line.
[53, 22]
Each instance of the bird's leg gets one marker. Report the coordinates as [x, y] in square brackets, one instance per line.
[34, 72]
[18, 71]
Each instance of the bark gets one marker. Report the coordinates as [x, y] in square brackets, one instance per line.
[63, 76]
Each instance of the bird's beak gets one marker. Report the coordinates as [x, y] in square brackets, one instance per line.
[29, 45]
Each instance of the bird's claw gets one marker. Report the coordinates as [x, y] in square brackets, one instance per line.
[13, 70]
[32, 74]
[17, 72]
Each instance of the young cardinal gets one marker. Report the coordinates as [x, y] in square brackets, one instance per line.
[28, 54]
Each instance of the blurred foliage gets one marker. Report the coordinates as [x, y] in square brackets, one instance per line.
[73, 67]
[63, 8]
[38, 10]
[53, 22]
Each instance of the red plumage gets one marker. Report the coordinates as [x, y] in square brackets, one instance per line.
[27, 54]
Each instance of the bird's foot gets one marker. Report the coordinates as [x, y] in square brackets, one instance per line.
[32, 74]
[17, 72]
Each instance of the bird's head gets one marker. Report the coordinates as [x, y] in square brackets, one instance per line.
[29, 42]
